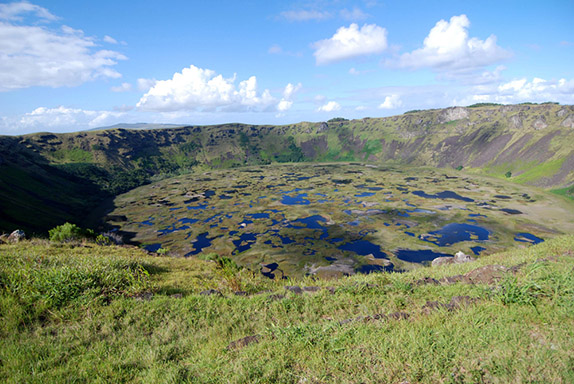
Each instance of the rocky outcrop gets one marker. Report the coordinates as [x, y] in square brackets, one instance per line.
[452, 114]
[459, 258]
[568, 122]
[16, 236]
[540, 123]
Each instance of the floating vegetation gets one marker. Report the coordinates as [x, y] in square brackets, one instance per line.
[291, 220]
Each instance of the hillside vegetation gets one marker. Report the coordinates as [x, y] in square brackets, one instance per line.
[79, 312]
[531, 144]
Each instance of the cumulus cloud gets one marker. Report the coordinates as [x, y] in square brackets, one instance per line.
[391, 102]
[329, 107]
[39, 56]
[522, 90]
[145, 84]
[197, 89]
[60, 118]
[448, 47]
[306, 15]
[287, 100]
[351, 42]
[15, 11]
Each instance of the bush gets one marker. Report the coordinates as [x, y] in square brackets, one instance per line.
[109, 238]
[69, 232]
[508, 174]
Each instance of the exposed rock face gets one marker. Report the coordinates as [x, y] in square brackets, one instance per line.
[540, 123]
[451, 114]
[460, 257]
[516, 121]
[568, 122]
[16, 236]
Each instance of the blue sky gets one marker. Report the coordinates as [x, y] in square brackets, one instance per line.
[73, 65]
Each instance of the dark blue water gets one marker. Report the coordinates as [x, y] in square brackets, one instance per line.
[418, 256]
[329, 258]
[245, 242]
[200, 244]
[364, 248]
[286, 240]
[527, 238]
[511, 211]
[443, 195]
[365, 194]
[147, 222]
[261, 215]
[410, 234]
[188, 221]
[201, 206]
[272, 267]
[172, 229]
[455, 232]
[476, 215]
[476, 250]
[311, 222]
[366, 269]
[152, 247]
[295, 200]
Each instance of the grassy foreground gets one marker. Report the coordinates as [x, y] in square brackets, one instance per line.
[88, 313]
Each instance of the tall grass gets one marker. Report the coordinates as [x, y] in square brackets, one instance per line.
[92, 329]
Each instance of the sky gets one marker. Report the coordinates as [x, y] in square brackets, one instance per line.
[74, 65]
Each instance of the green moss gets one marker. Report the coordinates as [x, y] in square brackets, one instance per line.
[74, 155]
[540, 171]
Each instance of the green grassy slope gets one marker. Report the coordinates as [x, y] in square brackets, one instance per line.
[535, 143]
[87, 313]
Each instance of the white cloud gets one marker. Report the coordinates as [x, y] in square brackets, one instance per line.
[353, 15]
[197, 89]
[287, 100]
[39, 56]
[351, 42]
[523, 90]
[145, 84]
[448, 47]
[536, 90]
[14, 11]
[306, 15]
[329, 107]
[124, 87]
[391, 102]
[60, 118]
[110, 40]
[360, 108]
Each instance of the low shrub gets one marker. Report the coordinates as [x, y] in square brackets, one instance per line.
[70, 232]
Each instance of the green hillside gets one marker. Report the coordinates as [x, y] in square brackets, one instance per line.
[87, 313]
[532, 144]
